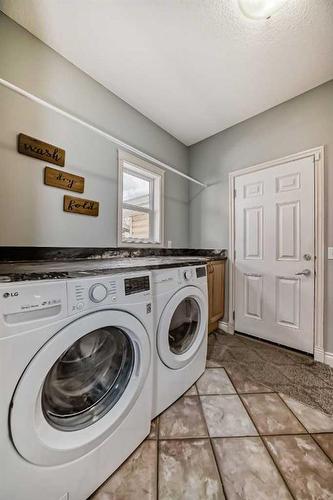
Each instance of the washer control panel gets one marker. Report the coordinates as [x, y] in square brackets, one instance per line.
[89, 293]
[136, 285]
[98, 292]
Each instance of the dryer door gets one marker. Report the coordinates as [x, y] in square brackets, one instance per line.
[182, 327]
[79, 387]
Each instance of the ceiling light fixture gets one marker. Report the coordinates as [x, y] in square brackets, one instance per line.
[260, 9]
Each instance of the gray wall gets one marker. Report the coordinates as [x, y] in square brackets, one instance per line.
[31, 213]
[294, 126]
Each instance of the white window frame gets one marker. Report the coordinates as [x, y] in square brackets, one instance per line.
[155, 175]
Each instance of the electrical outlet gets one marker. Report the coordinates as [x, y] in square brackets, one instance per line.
[169, 244]
[330, 253]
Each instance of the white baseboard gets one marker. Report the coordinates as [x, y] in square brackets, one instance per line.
[323, 356]
[328, 358]
[319, 354]
[223, 325]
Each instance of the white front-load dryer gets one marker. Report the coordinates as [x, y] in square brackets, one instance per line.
[180, 324]
[75, 382]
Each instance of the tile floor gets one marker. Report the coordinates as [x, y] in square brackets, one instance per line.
[256, 366]
[237, 434]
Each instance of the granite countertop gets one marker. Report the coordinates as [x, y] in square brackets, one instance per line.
[45, 270]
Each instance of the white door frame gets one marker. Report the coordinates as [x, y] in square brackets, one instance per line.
[319, 217]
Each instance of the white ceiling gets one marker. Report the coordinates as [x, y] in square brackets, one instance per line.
[194, 67]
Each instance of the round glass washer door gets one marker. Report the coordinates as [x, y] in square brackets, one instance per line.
[182, 327]
[79, 387]
[88, 379]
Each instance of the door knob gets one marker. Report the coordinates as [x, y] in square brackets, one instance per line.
[306, 272]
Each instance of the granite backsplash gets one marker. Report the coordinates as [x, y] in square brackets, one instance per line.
[14, 254]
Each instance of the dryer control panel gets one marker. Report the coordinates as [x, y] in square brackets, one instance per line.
[165, 280]
[191, 275]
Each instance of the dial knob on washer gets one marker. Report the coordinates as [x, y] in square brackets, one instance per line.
[188, 275]
[98, 292]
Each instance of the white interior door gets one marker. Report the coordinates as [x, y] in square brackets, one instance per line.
[274, 262]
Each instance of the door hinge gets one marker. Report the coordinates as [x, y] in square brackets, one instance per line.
[233, 315]
[235, 193]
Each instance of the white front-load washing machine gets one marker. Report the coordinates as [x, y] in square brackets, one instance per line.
[180, 306]
[75, 382]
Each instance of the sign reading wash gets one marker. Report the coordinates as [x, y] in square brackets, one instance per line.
[42, 150]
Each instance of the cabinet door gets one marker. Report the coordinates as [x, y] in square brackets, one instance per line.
[216, 271]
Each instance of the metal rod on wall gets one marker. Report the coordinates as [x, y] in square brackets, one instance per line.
[101, 132]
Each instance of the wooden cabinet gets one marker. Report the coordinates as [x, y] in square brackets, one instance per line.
[215, 276]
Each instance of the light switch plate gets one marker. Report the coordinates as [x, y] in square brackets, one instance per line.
[330, 253]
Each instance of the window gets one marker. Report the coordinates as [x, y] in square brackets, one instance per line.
[140, 202]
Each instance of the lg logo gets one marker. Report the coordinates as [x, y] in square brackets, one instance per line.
[10, 294]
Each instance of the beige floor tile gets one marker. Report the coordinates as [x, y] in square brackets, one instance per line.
[226, 416]
[184, 419]
[295, 392]
[215, 381]
[271, 415]
[214, 363]
[192, 391]
[187, 471]
[247, 470]
[153, 429]
[307, 470]
[312, 419]
[325, 441]
[136, 478]
[243, 382]
[218, 355]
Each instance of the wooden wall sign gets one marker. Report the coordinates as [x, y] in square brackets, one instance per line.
[64, 180]
[42, 150]
[81, 206]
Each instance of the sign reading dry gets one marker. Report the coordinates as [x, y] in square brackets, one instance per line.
[41, 150]
[81, 206]
[64, 180]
